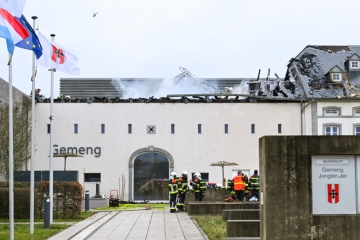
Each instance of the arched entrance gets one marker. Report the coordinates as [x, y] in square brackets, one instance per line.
[149, 170]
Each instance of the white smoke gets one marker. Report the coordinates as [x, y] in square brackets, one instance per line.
[242, 88]
[144, 88]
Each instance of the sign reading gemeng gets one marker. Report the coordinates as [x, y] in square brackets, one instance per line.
[333, 184]
[80, 150]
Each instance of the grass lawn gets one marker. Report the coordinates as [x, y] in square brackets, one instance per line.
[83, 216]
[127, 206]
[212, 225]
[22, 231]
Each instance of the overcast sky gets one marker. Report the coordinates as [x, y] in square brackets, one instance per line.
[212, 39]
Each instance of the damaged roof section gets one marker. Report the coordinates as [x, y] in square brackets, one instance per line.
[316, 72]
[326, 71]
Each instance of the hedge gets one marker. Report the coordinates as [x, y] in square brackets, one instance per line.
[67, 199]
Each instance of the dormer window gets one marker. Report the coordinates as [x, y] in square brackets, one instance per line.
[336, 77]
[354, 64]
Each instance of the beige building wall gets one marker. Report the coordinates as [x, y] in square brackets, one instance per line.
[190, 151]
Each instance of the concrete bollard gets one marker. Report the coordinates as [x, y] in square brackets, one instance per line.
[87, 200]
[46, 212]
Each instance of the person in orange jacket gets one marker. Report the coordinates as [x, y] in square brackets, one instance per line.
[239, 186]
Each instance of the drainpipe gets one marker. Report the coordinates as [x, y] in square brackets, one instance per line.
[302, 112]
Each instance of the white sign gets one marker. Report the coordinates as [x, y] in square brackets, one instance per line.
[333, 184]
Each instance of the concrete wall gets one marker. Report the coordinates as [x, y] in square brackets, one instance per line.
[286, 184]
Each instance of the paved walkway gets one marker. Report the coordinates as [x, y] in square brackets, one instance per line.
[134, 225]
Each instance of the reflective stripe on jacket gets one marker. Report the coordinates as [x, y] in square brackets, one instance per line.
[254, 180]
[239, 184]
[172, 187]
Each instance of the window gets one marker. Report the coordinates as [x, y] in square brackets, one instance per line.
[331, 112]
[332, 130]
[172, 128]
[92, 177]
[357, 130]
[129, 128]
[204, 176]
[75, 128]
[357, 112]
[252, 128]
[354, 65]
[336, 77]
[48, 128]
[226, 128]
[279, 128]
[199, 128]
[102, 128]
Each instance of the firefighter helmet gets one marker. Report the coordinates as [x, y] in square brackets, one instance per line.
[184, 173]
[197, 174]
[173, 174]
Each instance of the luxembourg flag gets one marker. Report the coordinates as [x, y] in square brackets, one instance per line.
[11, 30]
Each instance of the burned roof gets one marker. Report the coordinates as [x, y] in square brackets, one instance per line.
[316, 72]
[313, 70]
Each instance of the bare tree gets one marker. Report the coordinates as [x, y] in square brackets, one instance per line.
[21, 137]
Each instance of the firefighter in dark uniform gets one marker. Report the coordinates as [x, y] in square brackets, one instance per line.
[254, 186]
[247, 187]
[230, 189]
[196, 186]
[202, 188]
[182, 189]
[173, 191]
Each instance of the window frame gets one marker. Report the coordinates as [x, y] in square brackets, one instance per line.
[331, 108]
[351, 64]
[356, 125]
[337, 125]
[99, 178]
[337, 75]
[354, 111]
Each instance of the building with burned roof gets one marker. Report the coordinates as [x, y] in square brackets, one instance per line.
[133, 132]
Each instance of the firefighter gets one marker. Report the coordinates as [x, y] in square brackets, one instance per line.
[239, 186]
[196, 186]
[254, 186]
[173, 191]
[230, 189]
[182, 189]
[202, 188]
[247, 187]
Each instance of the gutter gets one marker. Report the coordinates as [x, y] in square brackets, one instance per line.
[302, 110]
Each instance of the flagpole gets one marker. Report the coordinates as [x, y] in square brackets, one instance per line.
[11, 160]
[32, 177]
[51, 176]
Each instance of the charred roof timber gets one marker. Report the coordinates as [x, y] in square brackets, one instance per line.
[317, 72]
